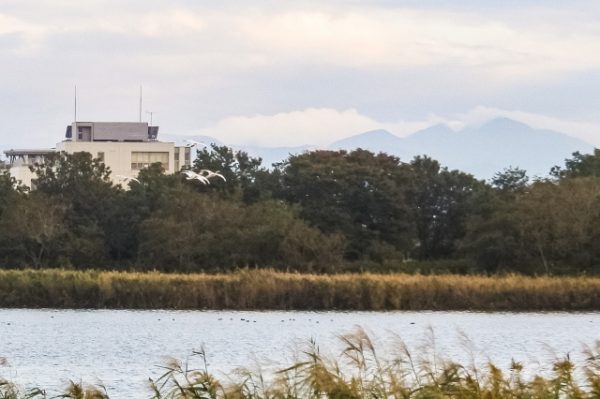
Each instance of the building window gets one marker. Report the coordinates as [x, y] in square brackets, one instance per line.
[84, 133]
[176, 154]
[101, 156]
[141, 160]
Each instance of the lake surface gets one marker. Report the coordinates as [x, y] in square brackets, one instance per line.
[121, 349]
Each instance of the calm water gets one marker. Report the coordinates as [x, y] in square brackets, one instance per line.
[121, 349]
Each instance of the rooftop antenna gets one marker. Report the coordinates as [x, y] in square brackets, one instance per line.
[141, 104]
[151, 113]
[74, 132]
[75, 104]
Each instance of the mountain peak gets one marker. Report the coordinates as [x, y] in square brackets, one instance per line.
[367, 140]
[379, 133]
[504, 123]
[435, 131]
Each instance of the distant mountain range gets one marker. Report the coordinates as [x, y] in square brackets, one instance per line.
[482, 150]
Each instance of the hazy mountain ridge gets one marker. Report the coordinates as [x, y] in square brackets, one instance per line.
[482, 150]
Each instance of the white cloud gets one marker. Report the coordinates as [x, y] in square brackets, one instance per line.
[316, 126]
[372, 38]
[29, 34]
[292, 73]
[364, 37]
[323, 126]
[176, 23]
[10, 24]
[310, 126]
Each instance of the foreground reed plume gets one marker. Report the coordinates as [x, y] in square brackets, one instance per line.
[360, 372]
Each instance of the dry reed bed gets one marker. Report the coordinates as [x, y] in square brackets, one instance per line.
[264, 289]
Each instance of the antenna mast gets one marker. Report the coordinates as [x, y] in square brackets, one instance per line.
[140, 103]
[74, 131]
[75, 120]
[151, 113]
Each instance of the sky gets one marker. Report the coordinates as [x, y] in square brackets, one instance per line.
[286, 73]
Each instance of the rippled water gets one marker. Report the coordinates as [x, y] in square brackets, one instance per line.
[121, 349]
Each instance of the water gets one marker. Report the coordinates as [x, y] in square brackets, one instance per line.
[121, 349]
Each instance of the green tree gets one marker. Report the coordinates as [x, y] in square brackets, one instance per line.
[442, 201]
[510, 180]
[240, 170]
[559, 224]
[359, 195]
[10, 190]
[580, 165]
[192, 232]
[493, 239]
[274, 235]
[551, 227]
[131, 206]
[34, 230]
[82, 184]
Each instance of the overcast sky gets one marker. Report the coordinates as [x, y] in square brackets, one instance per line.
[297, 72]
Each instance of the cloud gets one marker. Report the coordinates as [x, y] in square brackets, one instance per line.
[316, 126]
[10, 25]
[375, 38]
[296, 72]
[28, 35]
[368, 37]
[322, 126]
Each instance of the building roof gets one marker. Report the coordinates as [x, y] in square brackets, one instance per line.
[37, 151]
[115, 131]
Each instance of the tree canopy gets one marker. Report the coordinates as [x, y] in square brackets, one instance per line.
[320, 211]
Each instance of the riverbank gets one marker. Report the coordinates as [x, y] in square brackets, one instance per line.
[263, 289]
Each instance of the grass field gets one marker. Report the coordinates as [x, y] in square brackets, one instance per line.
[264, 289]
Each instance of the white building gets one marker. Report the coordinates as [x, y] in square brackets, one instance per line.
[20, 160]
[125, 147]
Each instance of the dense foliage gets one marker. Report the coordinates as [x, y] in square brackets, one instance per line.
[320, 211]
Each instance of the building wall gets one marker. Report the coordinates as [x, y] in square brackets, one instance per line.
[123, 158]
[183, 158]
[21, 160]
[22, 174]
[118, 156]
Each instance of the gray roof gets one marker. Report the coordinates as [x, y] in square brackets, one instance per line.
[117, 131]
[29, 151]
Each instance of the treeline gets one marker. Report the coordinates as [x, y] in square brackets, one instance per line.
[321, 211]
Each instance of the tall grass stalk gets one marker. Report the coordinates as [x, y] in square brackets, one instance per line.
[360, 372]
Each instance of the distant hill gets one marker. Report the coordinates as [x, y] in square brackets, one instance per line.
[271, 155]
[482, 150]
[374, 140]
